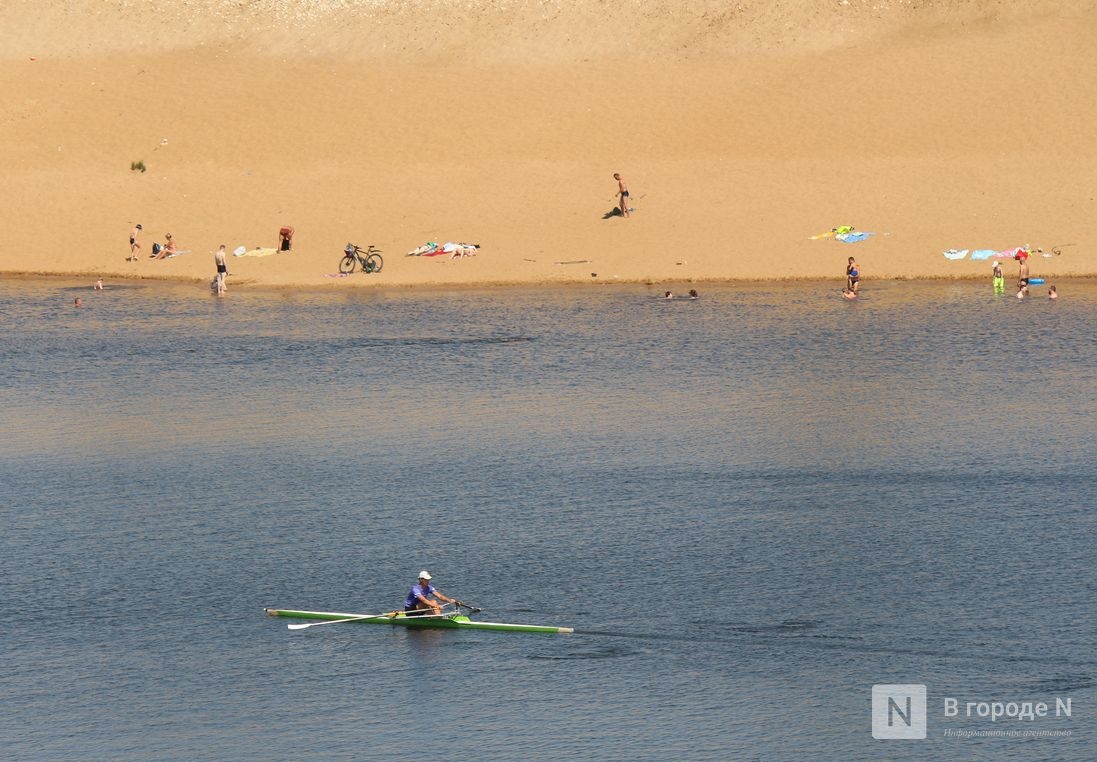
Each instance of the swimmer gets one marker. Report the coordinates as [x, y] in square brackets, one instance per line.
[668, 295]
[99, 285]
[693, 293]
[849, 293]
[78, 302]
[1052, 293]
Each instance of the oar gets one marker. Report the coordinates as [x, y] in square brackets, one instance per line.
[471, 609]
[389, 614]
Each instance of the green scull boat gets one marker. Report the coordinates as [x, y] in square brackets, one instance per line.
[454, 621]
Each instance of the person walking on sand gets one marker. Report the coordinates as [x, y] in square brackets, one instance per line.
[222, 270]
[622, 192]
[853, 276]
[135, 245]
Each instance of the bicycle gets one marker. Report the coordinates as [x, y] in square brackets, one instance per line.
[370, 259]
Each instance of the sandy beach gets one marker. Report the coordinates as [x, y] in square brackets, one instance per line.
[742, 129]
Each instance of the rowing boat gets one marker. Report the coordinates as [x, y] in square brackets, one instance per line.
[455, 621]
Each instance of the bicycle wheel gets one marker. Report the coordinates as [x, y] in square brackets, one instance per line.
[375, 263]
[346, 265]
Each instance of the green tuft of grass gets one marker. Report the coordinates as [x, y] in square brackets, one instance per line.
[137, 166]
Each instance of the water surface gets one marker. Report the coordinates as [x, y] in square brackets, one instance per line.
[752, 507]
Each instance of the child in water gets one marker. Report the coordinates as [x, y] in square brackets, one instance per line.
[999, 278]
[1051, 293]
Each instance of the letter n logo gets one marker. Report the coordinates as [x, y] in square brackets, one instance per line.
[899, 711]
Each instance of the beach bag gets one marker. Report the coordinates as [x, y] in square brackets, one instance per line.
[156, 248]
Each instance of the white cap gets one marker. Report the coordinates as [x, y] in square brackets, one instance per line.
[424, 574]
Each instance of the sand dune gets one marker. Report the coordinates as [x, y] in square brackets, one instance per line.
[742, 128]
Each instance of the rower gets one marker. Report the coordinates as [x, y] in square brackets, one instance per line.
[419, 600]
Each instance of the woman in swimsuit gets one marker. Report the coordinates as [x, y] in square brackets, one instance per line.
[168, 248]
[853, 275]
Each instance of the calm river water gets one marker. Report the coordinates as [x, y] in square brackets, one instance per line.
[752, 507]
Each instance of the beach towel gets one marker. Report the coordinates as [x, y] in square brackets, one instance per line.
[256, 252]
[853, 237]
[833, 232]
[427, 249]
[239, 251]
[979, 254]
[955, 253]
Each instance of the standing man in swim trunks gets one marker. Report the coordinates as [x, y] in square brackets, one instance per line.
[222, 269]
[135, 245]
[1022, 275]
[853, 276]
[622, 191]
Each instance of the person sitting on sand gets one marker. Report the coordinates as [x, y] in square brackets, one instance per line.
[168, 248]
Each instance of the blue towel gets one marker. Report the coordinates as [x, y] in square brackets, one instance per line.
[852, 237]
[983, 254]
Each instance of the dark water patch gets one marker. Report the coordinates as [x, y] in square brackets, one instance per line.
[106, 287]
[585, 654]
[1060, 684]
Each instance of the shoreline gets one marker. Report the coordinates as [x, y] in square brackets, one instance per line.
[257, 287]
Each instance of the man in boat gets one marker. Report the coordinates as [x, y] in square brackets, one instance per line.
[419, 600]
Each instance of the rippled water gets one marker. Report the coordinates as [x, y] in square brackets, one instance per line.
[752, 507]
